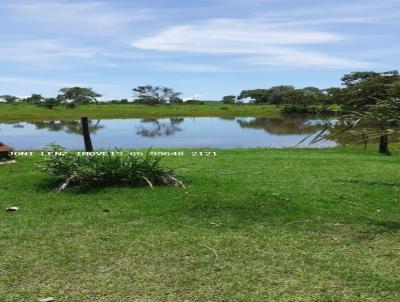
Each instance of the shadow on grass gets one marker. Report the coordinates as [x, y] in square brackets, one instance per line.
[386, 226]
[49, 184]
[239, 212]
[372, 183]
[377, 228]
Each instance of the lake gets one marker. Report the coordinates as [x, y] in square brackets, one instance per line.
[188, 132]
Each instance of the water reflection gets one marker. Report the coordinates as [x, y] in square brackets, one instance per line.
[199, 132]
[154, 127]
[70, 126]
[286, 125]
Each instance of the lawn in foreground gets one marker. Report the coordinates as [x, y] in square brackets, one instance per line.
[252, 225]
[23, 111]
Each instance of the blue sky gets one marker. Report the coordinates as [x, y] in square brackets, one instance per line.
[204, 48]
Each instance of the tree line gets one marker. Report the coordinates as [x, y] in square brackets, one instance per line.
[71, 97]
[359, 90]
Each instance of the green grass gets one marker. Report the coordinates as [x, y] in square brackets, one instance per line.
[252, 225]
[22, 112]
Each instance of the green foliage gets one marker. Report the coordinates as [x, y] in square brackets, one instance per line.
[300, 97]
[78, 95]
[384, 113]
[229, 99]
[10, 99]
[194, 102]
[276, 94]
[176, 100]
[285, 94]
[121, 101]
[152, 95]
[258, 95]
[49, 103]
[110, 170]
[34, 99]
[297, 109]
[365, 88]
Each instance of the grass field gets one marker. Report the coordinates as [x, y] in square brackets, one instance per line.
[29, 112]
[252, 225]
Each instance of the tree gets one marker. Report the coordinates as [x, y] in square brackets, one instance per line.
[9, 99]
[34, 99]
[365, 88]
[50, 103]
[384, 113]
[229, 99]
[258, 95]
[370, 97]
[299, 98]
[153, 95]
[276, 94]
[78, 95]
[334, 95]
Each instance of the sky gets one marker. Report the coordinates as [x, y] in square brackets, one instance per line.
[201, 48]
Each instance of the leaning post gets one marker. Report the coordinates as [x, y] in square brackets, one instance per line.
[86, 134]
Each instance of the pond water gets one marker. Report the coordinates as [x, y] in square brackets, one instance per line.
[188, 132]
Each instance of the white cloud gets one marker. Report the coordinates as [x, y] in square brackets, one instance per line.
[299, 58]
[184, 67]
[231, 36]
[85, 18]
[277, 43]
[43, 50]
[51, 83]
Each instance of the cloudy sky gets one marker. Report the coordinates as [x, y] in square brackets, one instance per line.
[208, 48]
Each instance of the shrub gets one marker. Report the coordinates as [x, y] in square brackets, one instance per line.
[70, 105]
[73, 170]
[194, 102]
[229, 99]
[296, 109]
[49, 103]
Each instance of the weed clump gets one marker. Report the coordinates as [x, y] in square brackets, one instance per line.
[72, 170]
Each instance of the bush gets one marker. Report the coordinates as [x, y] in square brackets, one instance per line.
[49, 103]
[72, 170]
[70, 105]
[296, 109]
[194, 102]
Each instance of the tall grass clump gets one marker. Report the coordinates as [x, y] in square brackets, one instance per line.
[73, 170]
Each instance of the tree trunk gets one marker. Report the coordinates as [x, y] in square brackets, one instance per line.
[86, 134]
[384, 144]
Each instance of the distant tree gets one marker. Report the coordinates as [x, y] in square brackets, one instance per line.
[229, 99]
[258, 95]
[365, 88]
[369, 111]
[50, 103]
[276, 94]
[121, 101]
[153, 95]
[314, 91]
[176, 100]
[194, 102]
[335, 95]
[78, 95]
[9, 99]
[34, 99]
[299, 98]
